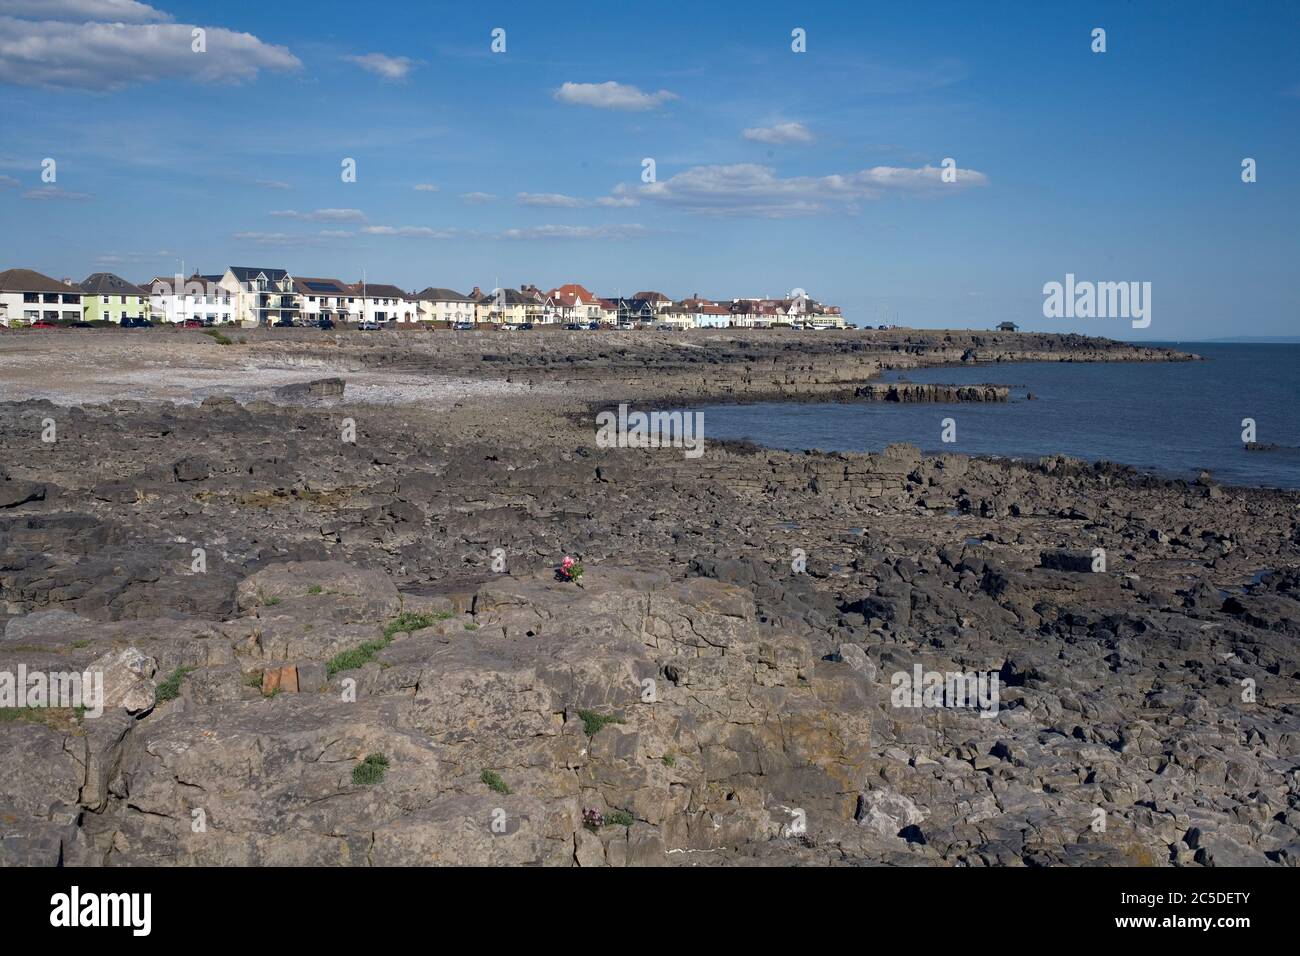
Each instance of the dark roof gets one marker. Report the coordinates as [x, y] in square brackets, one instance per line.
[105, 283]
[307, 285]
[26, 280]
[246, 273]
[652, 296]
[635, 305]
[442, 295]
[377, 290]
[169, 282]
[516, 297]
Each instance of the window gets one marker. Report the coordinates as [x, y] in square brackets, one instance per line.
[31, 315]
[31, 297]
[50, 297]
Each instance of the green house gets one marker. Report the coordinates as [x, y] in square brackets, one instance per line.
[109, 298]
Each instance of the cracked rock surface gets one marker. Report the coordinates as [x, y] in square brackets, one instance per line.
[272, 605]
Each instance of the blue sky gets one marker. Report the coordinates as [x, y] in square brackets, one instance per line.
[774, 169]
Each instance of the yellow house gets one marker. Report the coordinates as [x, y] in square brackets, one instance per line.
[109, 298]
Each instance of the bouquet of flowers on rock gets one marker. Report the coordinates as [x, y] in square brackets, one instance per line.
[569, 570]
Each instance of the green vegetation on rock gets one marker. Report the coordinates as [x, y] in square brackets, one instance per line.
[370, 771]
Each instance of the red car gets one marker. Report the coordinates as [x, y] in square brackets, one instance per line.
[43, 324]
[193, 323]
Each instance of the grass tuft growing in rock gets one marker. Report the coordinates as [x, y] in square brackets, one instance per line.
[494, 781]
[370, 771]
[315, 589]
[170, 689]
[356, 657]
[409, 621]
[619, 818]
[218, 337]
[593, 723]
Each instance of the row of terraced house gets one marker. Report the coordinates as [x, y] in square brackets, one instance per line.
[250, 296]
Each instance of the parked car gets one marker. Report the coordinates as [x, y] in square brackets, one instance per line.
[193, 323]
[463, 326]
[593, 326]
[625, 326]
[573, 326]
[44, 324]
[369, 325]
[325, 323]
[136, 323]
[526, 327]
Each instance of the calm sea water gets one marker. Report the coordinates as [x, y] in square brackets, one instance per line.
[1173, 418]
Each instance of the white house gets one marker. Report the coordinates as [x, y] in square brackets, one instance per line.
[445, 305]
[326, 299]
[384, 303]
[575, 303]
[175, 299]
[27, 297]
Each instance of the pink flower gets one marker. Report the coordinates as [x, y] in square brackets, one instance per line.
[567, 563]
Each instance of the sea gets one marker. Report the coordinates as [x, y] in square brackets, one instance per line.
[1172, 418]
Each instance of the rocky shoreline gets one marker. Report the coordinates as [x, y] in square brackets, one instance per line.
[374, 662]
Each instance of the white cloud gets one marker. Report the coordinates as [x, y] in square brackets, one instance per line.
[110, 56]
[414, 232]
[478, 199]
[321, 215]
[394, 68]
[748, 189]
[54, 193]
[780, 133]
[9, 181]
[626, 231]
[113, 11]
[611, 96]
[130, 258]
[273, 184]
[291, 239]
[561, 201]
[548, 199]
[425, 188]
